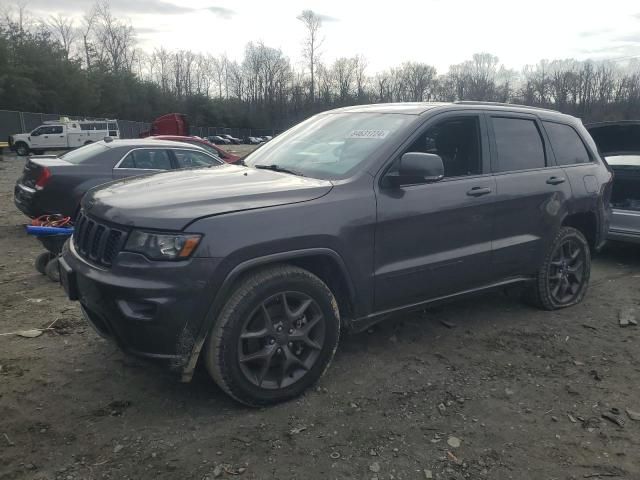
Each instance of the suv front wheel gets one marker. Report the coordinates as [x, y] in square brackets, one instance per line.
[275, 336]
[563, 279]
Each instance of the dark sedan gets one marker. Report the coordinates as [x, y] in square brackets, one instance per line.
[51, 184]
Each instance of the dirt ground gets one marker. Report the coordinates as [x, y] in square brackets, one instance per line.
[483, 388]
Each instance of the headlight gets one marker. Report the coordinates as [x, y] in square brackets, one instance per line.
[163, 246]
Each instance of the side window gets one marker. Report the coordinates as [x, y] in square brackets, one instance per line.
[519, 144]
[150, 159]
[193, 159]
[56, 129]
[567, 144]
[38, 131]
[457, 142]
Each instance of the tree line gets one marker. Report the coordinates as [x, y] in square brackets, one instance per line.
[94, 67]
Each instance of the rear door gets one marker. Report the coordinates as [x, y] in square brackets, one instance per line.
[143, 161]
[434, 239]
[531, 193]
[57, 137]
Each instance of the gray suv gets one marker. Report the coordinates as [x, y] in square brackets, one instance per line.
[348, 217]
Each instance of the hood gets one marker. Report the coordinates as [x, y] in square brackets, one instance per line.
[171, 200]
[20, 136]
[616, 138]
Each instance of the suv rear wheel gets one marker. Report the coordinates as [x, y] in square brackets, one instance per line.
[275, 336]
[563, 279]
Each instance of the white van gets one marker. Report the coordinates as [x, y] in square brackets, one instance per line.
[64, 134]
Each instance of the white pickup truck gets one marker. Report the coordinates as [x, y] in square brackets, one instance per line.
[64, 134]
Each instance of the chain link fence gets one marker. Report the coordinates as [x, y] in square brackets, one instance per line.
[21, 122]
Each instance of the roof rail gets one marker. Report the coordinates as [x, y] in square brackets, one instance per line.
[501, 104]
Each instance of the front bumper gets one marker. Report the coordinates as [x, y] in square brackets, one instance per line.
[149, 308]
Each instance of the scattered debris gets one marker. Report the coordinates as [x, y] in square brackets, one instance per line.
[452, 457]
[454, 442]
[297, 430]
[613, 418]
[217, 471]
[9, 442]
[448, 324]
[441, 408]
[627, 316]
[571, 418]
[635, 416]
[373, 453]
[596, 376]
[428, 475]
[117, 448]
[374, 467]
[29, 333]
[590, 327]
[335, 455]
[509, 392]
[578, 363]
[554, 418]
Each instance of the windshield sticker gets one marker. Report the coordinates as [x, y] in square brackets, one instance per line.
[368, 134]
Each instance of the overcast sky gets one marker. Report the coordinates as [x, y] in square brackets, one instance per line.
[439, 32]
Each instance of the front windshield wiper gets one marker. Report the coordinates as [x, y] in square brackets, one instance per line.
[278, 168]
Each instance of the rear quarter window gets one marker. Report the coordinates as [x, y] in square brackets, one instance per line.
[567, 145]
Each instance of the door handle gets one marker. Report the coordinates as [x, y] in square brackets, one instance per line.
[556, 180]
[478, 191]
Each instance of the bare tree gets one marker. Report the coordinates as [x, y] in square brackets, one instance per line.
[312, 22]
[63, 30]
[115, 39]
[88, 26]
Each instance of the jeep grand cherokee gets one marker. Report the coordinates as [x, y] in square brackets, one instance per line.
[348, 217]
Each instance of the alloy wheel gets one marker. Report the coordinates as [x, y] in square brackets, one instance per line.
[281, 340]
[567, 271]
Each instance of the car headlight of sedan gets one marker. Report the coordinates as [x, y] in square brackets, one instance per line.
[163, 246]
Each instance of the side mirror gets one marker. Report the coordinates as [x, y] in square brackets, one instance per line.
[35, 134]
[417, 167]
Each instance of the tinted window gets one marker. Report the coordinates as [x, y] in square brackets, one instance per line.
[567, 144]
[457, 142]
[82, 154]
[56, 129]
[192, 159]
[519, 144]
[150, 159]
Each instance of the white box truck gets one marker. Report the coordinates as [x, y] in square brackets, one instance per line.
[63, 134]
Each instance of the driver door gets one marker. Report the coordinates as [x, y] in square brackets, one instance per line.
[434, 239]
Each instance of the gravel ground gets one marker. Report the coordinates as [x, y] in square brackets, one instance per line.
[483, 388]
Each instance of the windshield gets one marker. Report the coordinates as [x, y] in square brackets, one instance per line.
[329, 146]
[82, 154]
[626, 160]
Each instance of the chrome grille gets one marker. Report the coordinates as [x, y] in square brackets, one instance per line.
[96, 241]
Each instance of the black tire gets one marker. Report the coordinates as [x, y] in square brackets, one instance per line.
[52, 271]
[22, 149]
[289, 358]
[42, 260]
[563, 278]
